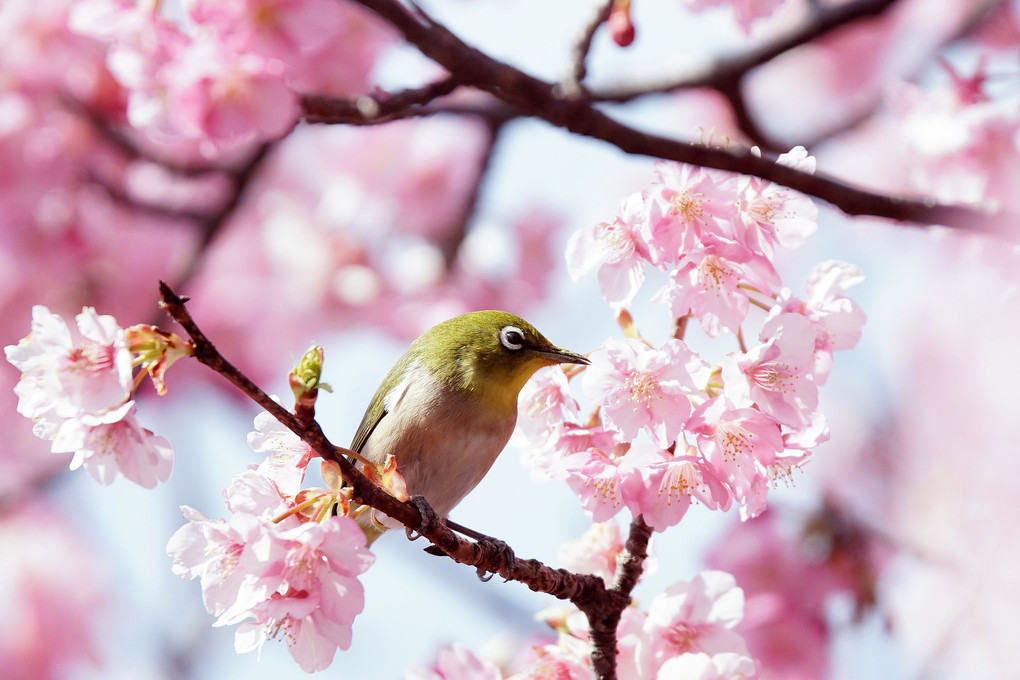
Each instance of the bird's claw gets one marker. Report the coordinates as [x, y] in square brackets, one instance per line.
[429, 519]
[495, 550]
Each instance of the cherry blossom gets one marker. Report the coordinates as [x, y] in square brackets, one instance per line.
[595, 552]
[776, 375]
[456, 662]
[695, 617]
[115, 445]
[837, 319]
[77, 388]
[686, 203]
[288, 455]
[619, 248]
[640, 388]
[67, 375]
[567, 659]
[315, 594]
[596, 477]
[741, 446]
[275, 29]
[668, 485]
[275, 574]
[710, 282]
[771, 213]
[960, 144]
[225, 97]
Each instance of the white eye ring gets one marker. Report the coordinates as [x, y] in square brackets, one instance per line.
[511, 337]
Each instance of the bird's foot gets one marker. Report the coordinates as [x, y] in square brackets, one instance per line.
[496, 553]
[429, 518]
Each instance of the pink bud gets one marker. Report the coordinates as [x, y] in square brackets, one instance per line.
[620, 25]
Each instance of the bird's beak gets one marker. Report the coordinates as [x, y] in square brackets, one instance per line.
[563, 356]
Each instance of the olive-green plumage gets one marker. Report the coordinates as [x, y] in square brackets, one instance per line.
[447, 407]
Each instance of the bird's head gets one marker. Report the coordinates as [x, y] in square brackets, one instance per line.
[490, 354]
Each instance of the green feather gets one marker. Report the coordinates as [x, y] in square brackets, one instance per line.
[377, 407]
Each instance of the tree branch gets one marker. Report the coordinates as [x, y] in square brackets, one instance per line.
[731, 69]
[374, 109]
[602, 624]
[539, 98]
[582, 46]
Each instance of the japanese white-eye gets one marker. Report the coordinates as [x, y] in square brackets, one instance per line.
[449, 405]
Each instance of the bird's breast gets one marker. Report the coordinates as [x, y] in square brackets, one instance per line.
[444, 440]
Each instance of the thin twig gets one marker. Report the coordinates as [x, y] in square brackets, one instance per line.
[733, 68]
[582, 46]
[374, 109]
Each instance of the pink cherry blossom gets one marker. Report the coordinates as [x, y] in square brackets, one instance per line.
[701, 666]
[275, 29]
[595, 552]
[554, 458]
[568, 659]
[544, 404]
[693, 617]
[317, 593]
[621, 249]
[456, 662]
[288, 455]
[276, 576]
[595, 476]
[776, 376]
[115, 445]
[664, 488]
[228, 98]
[67, 375]
[837, 319]
[226, 556]
[77, 389]
[140, 42]
[772, 214]
[785, 590]
[640, 388]
[742, 446]
[709, 283]
[686, 203]
[959, 147]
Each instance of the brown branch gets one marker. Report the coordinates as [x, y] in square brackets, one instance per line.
[449, 244]
[538, 98]
[582, 46]
[602, 624]
[374, 109]
[586, 591]
[731, 69]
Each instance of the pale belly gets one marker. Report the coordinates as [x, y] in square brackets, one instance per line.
[444, 442]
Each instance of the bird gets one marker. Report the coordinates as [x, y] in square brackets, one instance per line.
[449, 405]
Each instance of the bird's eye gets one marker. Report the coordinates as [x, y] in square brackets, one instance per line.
[511, 337]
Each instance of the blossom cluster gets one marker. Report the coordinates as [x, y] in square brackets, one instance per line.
[284, 565]
[687, 631]
[77, 386]
[229, 74]
[670, 427]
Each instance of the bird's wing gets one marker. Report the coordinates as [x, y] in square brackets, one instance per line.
[376, 410]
